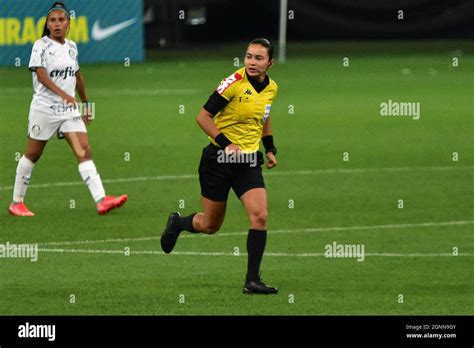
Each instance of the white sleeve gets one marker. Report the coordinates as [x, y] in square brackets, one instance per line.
[77, 56]
[37, 56]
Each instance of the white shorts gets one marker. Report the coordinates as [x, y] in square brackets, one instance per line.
[44, 121]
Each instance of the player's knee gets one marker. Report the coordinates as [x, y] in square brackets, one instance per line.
[259, 218]
[33, 156]
[86, 153]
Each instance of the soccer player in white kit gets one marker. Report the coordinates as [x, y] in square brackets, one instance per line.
[54, 110]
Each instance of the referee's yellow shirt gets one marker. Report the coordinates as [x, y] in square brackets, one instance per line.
[242, 119]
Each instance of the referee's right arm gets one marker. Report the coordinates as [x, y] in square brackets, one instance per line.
[214, 104]
[204, 120]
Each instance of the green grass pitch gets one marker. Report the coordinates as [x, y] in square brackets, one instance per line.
[145, 147]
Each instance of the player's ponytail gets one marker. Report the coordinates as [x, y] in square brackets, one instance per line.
[46, 31]
[56, 6]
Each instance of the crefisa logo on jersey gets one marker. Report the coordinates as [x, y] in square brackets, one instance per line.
[68, 72]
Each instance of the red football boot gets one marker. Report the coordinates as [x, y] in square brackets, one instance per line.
[111, 202]
[19, 209]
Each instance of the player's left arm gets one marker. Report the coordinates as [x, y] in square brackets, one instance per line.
[81, 90]
[267, 140]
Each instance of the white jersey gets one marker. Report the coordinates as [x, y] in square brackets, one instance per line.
[61, 64]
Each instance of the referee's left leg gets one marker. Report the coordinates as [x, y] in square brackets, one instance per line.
[255, 203]
[256, 206]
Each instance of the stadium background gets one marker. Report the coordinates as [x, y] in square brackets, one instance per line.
[343, 169]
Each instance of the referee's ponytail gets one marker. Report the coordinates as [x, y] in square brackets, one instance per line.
[56, 6]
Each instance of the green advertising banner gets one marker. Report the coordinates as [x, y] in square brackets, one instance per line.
[104, 30]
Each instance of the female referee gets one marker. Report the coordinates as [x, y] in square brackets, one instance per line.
[236, 118]
[56, 75]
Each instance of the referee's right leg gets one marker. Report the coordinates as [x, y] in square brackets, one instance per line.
[215, 182]
[208, 222]
[211, 220]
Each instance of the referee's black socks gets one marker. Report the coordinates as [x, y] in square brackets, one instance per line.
[256, 241]
[186, 223]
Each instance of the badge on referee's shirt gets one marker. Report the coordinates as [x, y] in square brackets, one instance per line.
[267, 112]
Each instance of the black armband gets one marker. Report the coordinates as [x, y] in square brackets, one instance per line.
[215, 103]
[267, 141]
[222, 140]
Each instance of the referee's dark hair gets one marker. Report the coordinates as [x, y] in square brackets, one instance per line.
[56, 6]
[265, 43]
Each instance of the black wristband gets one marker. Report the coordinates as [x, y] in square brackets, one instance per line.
[222, 140]
[267, 141]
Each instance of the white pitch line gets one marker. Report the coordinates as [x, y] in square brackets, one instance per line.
[197, 253]
[112, 240]
[320, 229]
[147, 252]
[109, 181]
[270, 174]
[142, 92]
[110, 92]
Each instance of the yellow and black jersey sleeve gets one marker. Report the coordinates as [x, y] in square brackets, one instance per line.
[228, 86]
[215, 103]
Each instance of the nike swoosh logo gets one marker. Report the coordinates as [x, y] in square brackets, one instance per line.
[99, 33]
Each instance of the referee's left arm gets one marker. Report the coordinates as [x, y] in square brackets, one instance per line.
[267, 128]
[267, 140]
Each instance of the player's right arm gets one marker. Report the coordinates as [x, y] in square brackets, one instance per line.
[46, 81]
[37, 64]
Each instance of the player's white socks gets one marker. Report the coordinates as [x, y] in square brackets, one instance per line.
[92, 180]
[22, 179]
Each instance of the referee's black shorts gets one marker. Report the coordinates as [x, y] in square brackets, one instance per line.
[217, 178]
